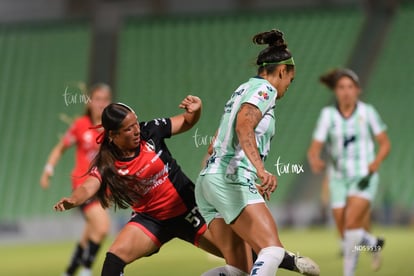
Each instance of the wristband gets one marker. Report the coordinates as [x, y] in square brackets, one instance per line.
[49, 169]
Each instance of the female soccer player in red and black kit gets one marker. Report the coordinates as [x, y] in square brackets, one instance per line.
[135, 168]
[84, 137]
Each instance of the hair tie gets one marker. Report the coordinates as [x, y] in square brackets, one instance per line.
[96, 127]
[101, 135]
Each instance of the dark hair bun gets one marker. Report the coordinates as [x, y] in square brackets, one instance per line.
[331, 78]
[271, 38]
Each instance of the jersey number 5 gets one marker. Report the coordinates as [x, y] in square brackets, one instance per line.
[192, 218]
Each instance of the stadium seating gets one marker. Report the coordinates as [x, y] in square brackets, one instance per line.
[390, 91]
[39, 62]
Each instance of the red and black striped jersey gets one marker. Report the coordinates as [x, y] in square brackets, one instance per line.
[158, 176]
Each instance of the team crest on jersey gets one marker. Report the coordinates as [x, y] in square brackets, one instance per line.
[123, 171]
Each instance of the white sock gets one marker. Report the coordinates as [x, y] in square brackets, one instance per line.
[369, 239]
[353, 239]
[226, 270]
[268, 260]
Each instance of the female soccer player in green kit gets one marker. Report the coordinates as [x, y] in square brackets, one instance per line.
[347, 128]
[225, 190]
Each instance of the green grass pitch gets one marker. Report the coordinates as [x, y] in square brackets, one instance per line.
[180, 258]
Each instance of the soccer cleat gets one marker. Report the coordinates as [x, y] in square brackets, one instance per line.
[306, 266]
[376, 255]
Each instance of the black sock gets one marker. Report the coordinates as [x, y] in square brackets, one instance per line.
[113, 265]
[90, 253]
[76, 260]
[254, 255]
[288, 262]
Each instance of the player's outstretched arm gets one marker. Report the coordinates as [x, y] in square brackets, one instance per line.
[53, 159]
[185, 121]
[81, 194]
[314, 157]
[248, 118]
[384, 147]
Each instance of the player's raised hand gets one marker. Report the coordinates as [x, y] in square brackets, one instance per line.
[191, 104]
[64, 204]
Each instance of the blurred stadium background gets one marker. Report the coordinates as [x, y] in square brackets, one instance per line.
[153, 53]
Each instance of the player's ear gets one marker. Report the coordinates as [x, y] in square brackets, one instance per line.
[281, 71]
[112, 134]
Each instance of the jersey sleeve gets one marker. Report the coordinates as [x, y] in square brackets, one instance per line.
[159, 128]
[95, 173]
[320, 133]
[376, 124]
[71, 135]
[262, 97]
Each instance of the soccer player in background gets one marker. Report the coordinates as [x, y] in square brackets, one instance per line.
[226, 194]
[83, 136]
[135, 168]
[348, 128]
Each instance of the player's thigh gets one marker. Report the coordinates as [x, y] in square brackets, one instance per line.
[338, 191]
[254, 219]
[132, 243]
[356, 210]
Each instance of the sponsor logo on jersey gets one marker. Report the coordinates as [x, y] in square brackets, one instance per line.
[263, 95]
[228, 107]
[155, 180]
[160, 120]
[238, 93]
[348, 140]
[123, 171]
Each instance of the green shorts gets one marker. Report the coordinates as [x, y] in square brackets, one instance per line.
[224, 196]
[341, 188]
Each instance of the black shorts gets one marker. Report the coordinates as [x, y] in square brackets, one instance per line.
[188, 227]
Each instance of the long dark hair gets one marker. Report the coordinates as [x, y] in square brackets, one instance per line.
[275, 52]
[115, 188]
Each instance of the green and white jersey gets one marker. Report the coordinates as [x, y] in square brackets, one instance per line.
[228, 156]
[349, 141]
